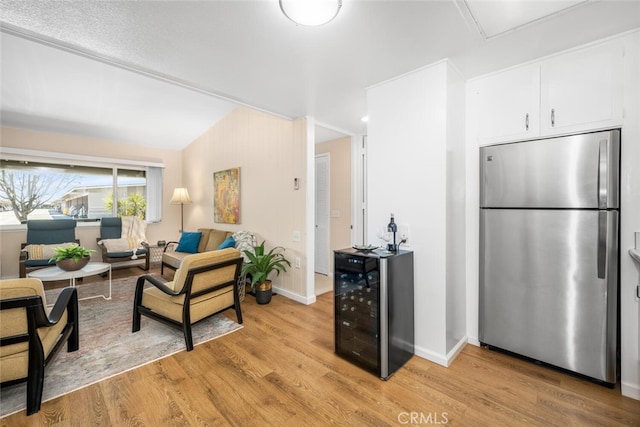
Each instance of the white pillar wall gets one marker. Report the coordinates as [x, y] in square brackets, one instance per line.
[409, 153]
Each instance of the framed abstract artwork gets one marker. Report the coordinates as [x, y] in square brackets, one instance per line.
[226, 196]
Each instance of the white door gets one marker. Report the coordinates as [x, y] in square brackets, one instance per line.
[322, 214]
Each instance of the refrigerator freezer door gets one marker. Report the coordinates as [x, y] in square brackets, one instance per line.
[579, 171]
[540, 294]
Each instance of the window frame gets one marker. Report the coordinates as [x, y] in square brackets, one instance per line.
[37, 156]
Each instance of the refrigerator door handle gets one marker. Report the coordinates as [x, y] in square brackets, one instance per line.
[602, 244]
[603, 166]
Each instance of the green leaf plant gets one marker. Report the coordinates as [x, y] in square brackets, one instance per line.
[75, 252]
[262, 264]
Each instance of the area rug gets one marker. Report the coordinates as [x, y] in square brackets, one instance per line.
[107, 345]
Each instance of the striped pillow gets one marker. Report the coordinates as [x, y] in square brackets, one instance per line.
[45, 251]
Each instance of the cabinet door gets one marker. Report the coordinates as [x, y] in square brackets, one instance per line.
[582, 90]
[508, 105]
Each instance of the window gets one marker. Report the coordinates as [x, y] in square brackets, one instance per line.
[43, 188]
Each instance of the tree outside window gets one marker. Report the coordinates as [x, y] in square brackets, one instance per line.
[131, 205]
[32, 190]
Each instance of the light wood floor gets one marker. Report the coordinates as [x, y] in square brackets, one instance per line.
[280, 370]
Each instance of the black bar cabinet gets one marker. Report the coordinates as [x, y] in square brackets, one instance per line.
[373, 294]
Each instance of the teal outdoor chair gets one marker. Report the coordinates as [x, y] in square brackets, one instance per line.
[43, 236]
[111, 244]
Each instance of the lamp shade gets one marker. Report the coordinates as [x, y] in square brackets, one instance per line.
[180, 197]
[310, 12]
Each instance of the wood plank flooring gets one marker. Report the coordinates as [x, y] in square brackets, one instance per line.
[280, 370]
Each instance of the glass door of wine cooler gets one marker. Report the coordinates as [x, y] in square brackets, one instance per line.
[357, 326]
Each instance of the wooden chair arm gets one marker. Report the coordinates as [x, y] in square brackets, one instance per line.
[68, 299]
[24, 255]
[170, 244]
[102, 247]
[155, 282]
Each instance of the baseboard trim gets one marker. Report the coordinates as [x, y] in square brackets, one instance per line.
[296, 297]
[455, 351]
[440, 359]
[431, 356]
[630, 390]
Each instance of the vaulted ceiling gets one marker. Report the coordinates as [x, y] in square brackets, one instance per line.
[161, 73]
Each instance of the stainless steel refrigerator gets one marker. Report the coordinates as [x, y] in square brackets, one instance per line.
[549, 212]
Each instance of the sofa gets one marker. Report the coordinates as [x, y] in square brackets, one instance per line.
[211, 239]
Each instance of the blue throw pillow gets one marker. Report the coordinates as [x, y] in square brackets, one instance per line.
[228, 243]
[189, 242]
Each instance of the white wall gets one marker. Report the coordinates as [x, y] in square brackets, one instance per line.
[271, 152]
[456, 230]
[630, 220]
[409, 175]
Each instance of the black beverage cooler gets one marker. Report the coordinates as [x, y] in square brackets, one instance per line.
[373, 294]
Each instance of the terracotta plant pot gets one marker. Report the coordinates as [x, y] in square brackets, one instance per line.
[70, 265]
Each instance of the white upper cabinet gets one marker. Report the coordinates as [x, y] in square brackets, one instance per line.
[582, 90]
[509, 105]
[577, 91]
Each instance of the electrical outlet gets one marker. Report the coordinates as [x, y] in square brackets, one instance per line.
[297, 262]
[296, 236]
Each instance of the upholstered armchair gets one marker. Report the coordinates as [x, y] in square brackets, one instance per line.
[204, 284]
[118, 246]
[31, 334]
[43, 236]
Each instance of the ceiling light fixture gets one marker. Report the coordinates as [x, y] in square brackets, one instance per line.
[310, 12]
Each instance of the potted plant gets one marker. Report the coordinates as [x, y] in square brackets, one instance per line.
[72, 258]
[260, 266]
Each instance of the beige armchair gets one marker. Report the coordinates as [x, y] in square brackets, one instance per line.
[30, 334]
[205, 284]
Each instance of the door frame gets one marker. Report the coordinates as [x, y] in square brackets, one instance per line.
[328, 216]
[358, 191]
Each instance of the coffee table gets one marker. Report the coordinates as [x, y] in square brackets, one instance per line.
[51, 274]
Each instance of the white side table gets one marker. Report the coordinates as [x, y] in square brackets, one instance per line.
[51, 274]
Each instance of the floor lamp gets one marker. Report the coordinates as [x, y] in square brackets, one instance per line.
[180, 197]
